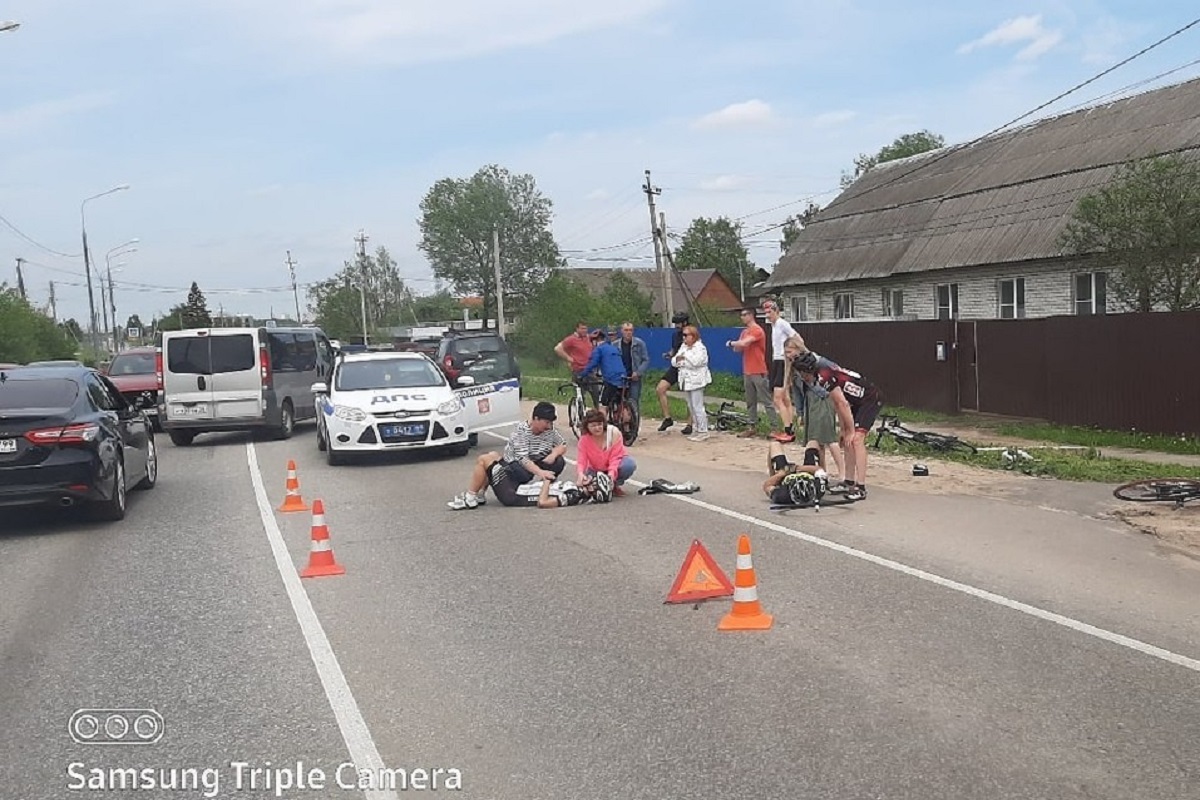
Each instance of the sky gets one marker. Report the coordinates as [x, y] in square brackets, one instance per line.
[246, 129]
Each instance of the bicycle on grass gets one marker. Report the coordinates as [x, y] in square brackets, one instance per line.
[943, 442]
[1159, 490]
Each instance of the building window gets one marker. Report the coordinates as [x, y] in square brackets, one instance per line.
[843, 306]
[1089, 292]
[799, 309]
[893, 302]
[1012, 298]
[947, 301]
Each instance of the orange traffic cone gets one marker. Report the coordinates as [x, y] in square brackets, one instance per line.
[747, 613]
[293, 501]
[320, 558]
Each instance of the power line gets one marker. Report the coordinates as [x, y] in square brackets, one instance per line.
[35, 242]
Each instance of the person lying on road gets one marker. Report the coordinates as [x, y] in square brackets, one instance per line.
[490, 468]
[794, 484]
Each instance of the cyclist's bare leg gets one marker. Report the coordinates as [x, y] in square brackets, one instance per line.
[835, 450]
[661, 390]
[479, 478]
[781, 399]
[860, 457]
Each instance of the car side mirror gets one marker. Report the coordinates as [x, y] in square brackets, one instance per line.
[466, 380]
[320, 387]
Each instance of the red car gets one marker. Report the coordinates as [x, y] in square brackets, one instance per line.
[135, 373]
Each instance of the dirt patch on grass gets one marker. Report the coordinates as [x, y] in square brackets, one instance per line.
[1175, 527]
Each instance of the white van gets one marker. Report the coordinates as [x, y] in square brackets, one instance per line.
[234, 379]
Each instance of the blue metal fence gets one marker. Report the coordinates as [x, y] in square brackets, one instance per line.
[720, 357]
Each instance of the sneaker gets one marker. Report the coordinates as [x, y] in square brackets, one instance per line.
[857, 493]
[687, 430]
[699, 437]
[481, 498]
[841, 488]
[783, 438]
[464, 500]
[746, 434]
[666, 423]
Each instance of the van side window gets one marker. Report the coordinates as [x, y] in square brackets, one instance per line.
[306, 352]
[233, 353]
[282, 347]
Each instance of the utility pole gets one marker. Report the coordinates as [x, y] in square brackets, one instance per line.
[292, 269]
[668, 264]
[499, 286]
[20, 278]
[663, 281]
[362, 287]
[112, 307]
[104, 300]
[53, 305]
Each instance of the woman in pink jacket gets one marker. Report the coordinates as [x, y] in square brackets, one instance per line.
[602, 449]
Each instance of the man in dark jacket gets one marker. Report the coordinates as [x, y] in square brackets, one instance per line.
[636, 357]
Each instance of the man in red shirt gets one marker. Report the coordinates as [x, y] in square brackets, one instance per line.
[576, 349]
[752, 344]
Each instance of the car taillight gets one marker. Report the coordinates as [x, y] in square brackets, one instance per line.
[158, 369]
[264, 366]
[81, 433]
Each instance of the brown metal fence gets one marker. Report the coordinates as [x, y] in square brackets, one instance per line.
[1118, 372]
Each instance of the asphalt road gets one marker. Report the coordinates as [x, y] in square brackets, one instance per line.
[924, 647]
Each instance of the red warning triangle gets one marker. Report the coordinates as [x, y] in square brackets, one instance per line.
[699, 578]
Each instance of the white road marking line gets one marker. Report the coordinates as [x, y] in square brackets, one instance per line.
[350, 720]
[982, 594]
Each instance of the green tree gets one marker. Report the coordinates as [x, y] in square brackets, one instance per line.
[623, 300]
[173, 320]
[437, 307]
[72, 329]
[1143, 228]
[134, 321]
[910, 144]
[27, 334]
[195, 313]
[336, 303]
[458, 218]
[715, 244]
[797, 223]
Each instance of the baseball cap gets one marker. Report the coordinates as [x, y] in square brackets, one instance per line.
[597, 333]
[545, 411]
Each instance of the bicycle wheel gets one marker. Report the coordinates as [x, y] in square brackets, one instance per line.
[575, 413]
[1158, 490]
[939, 441]
[629, 422]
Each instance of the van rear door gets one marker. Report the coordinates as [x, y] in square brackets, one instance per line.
[237, 380]
[210, 374]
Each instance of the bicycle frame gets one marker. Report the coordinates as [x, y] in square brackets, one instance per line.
[891, 425]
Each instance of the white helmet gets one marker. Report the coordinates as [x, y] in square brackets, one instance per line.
[604, 487]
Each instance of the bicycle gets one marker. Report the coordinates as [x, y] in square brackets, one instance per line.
[577, 405]
[941, 442]
[623, 413]
[727, 417]
[1159, 490]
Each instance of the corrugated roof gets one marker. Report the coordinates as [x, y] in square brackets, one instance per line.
[1005, 198]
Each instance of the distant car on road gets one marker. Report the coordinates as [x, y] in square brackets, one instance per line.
[483, 355]
[138, 376]
[402, 401]
[68, 438]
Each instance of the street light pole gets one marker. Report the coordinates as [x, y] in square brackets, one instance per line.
[111, 308]
[87, 266]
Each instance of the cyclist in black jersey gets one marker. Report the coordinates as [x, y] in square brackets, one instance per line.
[856, 401]
[794, 484]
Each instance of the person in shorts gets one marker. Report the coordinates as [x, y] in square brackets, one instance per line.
[793, 484]
[781, 393]
[671, 376]
[491, 470]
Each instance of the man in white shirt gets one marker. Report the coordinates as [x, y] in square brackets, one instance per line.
[781, 395]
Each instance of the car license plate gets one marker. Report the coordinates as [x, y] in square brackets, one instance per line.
[8, 445]
[199, 409]
[404, 430]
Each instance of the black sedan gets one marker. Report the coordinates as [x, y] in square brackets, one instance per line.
[68, 438]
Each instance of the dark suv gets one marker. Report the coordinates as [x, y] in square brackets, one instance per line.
[482, 355]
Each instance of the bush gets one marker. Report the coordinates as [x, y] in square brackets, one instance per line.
[27, 334]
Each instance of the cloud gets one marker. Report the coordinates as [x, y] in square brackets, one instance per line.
[1015, 31]
[725, 183]
[390, 32]
[832, 118]
[751, 113]
[41, 114]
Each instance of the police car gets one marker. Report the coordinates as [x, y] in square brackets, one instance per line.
[400, 400]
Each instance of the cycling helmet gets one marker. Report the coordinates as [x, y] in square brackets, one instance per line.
[803, 489]
[604, 487]
[805, 362]
[680, 316]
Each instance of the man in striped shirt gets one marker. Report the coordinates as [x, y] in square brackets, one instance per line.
[536, 449]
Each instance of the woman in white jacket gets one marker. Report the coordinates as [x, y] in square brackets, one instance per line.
[692, 362]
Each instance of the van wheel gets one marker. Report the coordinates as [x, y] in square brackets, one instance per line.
[287, 421]
[321, 443]
[181, 438]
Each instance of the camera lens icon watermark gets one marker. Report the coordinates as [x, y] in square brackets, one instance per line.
[127, 726]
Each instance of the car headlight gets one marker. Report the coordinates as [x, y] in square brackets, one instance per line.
[450, 407]
[349, 413]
